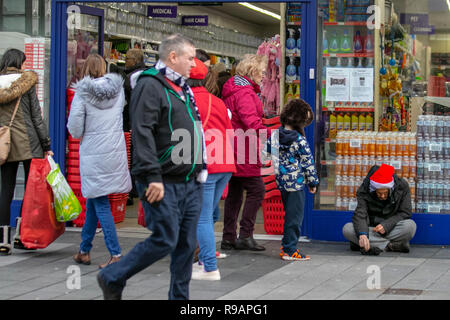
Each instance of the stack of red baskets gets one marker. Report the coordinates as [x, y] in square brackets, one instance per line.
[272, 206]
[118, 202]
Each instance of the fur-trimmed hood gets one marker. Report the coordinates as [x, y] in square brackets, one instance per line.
[15, 83]
[101, 92]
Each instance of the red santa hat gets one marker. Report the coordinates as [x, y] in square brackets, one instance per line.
[200, 70]
[383, 178]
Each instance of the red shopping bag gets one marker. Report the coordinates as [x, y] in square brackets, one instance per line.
[39, 226]
[141, 215]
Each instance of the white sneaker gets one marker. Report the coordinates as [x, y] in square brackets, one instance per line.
[204, 275]
[197, 267]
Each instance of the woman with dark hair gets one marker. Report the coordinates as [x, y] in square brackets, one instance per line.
[29, 135]
[96, 118]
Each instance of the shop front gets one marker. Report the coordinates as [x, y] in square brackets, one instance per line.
[375, 72]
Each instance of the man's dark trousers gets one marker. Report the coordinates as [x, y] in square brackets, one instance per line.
[174, 232]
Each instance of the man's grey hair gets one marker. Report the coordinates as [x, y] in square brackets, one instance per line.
[175, 42]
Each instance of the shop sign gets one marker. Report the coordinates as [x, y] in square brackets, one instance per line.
[422, 30]
[194, 20]
[162, 11]
[415, 19]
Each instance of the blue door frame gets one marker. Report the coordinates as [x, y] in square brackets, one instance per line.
[318, 224]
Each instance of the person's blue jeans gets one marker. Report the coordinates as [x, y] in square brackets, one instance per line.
[212, 191]
[173, 224]
[99, 209]
[294, 208]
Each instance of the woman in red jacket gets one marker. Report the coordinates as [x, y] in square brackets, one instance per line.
[240, 94]
[216, 123]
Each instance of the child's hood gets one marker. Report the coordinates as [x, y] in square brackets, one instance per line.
[287, 137]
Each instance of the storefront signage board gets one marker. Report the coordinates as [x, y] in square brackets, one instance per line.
[194, 21]
[162, 11]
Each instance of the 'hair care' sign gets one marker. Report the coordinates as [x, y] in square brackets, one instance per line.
[194, 20]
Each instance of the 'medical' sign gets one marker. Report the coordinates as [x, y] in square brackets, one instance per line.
[162, 11]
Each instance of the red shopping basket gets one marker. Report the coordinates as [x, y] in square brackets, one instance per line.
[273, 215]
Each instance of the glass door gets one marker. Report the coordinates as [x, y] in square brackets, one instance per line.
[84, 36]
[346, 59]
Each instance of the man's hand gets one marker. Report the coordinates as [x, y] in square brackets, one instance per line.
[364, 242]
[49, 153]
[380, 229]
[155, 192]
[312, 189]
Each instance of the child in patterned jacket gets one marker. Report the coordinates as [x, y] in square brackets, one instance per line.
[294, 168]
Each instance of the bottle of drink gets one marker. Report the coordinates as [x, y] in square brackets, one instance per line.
[340, 122]
[440, 127]
[347, 122]
[338, 184]
[345, 187]
[412, 188]
[345, 202]
[412, 144]
[355, 122]
[351, 167]
[345, 165]
[406, 169]
[339, 162]
[385, 144]
[365, 167]
[362, 122]
[420, 146]
[346, 144]
[333, 125]
[372, 144]
[339, 144]
[369, 122]
[358, 166]
[412, 167]
[420, 191]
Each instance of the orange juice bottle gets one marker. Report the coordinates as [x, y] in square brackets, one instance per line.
[405, 143]
[412, 167]
[339, 163]
[405, 167]
[398, 144]
[385, 143]
[339, 144]
[392, 145]
[346, 144]
[365, 144]
[345, 165]
[351, 143]
[345, 189]
[351, 167]
[365, 166]
[338, 185]
[378, 144]
[412, 144]
[358, 166]
[372, 144]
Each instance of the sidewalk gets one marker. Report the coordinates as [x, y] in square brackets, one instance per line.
[334, 272]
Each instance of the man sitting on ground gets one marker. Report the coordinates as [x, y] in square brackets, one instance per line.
[383, 214]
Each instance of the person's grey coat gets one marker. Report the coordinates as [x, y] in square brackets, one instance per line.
[96, 118]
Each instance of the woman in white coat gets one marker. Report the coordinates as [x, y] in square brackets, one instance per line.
[96, 118]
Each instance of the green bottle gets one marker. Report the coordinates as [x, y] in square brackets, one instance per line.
[346, 43]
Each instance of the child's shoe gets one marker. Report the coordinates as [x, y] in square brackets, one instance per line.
[296, 256]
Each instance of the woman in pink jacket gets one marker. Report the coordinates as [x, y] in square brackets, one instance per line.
[240, 94]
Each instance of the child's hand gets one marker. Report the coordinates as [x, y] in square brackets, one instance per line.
[312, 189]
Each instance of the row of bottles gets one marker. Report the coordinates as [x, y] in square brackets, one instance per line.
[344, 43]
[379, 144]
[359, 166]
[292, 93]
[431, 126]
[338, 122]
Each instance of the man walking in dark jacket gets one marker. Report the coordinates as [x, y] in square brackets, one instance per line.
[162, 106]
[382, 219]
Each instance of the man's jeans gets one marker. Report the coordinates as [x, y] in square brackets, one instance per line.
[99, 209]
[174, 224]
[212, 191]
[294, 208]
[403, 232]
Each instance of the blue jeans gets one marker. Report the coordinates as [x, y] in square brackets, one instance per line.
[99, 209]
[212, 191]
[294, 208]
[173, 225]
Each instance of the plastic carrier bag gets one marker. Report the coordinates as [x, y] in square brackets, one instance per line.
[67, 206]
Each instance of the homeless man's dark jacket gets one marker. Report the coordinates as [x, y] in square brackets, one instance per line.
[371, 211]
[156, 111]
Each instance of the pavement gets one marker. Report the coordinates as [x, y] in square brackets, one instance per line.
[333, 273]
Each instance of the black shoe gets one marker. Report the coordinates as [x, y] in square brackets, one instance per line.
[19, 245]
[354, 247]
[227, 245]
[398, 247]
[109, 292]
[373, 251]
[248, 244]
